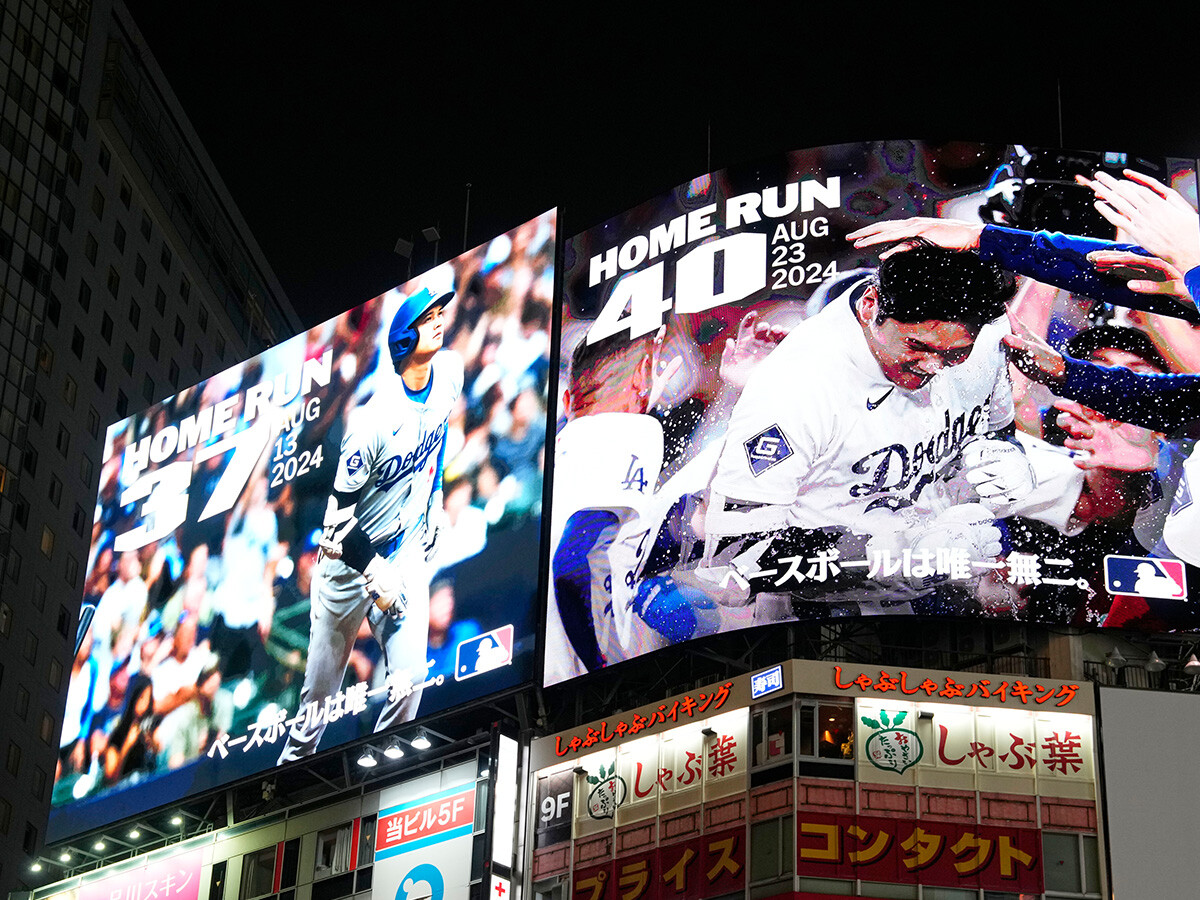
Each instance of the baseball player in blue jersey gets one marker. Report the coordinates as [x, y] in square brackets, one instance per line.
[382, 522]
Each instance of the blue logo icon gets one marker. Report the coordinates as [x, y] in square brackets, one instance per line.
[767, 448]
[1145, 576]
[427, 874]
[766, 682]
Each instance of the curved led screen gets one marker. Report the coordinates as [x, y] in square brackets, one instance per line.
[832, 383]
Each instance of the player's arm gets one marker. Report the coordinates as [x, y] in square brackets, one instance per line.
[344, 539]
[572, 572]
[436, 520]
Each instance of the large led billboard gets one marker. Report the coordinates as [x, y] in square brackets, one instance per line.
[335, 537]
[829, 384]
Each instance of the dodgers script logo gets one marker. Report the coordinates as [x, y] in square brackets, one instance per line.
[767, 448]
[401, 466]
[901, 473]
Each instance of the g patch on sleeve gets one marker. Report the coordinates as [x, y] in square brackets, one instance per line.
[354, 463]
[767, 448]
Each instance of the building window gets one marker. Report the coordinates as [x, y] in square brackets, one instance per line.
[79, 519]
[148, 388]
[164, 258]
[119, 237]
[771, 738]
[135, 313]
[66, 214]
[173, 374]
[824, 739]
[122, 404]
[126, 193]
[13, 569]
[39, 782]
[90, 248]
[85, 295]
[203, 316]
[63, 441]
[74, 167]
[139, 270]
[30, 842]
[98, 203]
[53, 309]
[47, 729]
[70, 390]
[77, 343]
[197, 359]
[37, 411]
[106, 328]
[6, 619]
[47, 542]
[71, 572]
[55, 492]
[21, 706]
[31, 647]
[101, 376]
[54, 677]
[45, 358]
[127, 359]
[258, 873]
[93, 422]
[155, 343]
[772, 855]
[145, 226]
[12, 760]
[39, 594]
[160, 301]
[179, 330]
[85, 472]
[185, 288]
[1071, 863]
[334, 848]
[105, 158]
[114, 281]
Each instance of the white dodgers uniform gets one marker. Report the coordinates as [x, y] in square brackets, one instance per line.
[390, 458]
[609, 464]
[827, 441]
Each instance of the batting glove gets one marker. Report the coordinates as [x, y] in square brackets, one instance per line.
[437, 523]
[337, 525]
[385, 585]
[1000, 474]
[968, 526]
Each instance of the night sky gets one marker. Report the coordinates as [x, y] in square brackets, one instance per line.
[340, 127]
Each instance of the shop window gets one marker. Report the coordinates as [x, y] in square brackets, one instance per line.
[891, 891]
[1071, 863]
[825, 739]
[258, 873]
[334, 849]
[772, 856]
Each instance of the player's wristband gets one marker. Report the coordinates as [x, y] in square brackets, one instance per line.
[357, 551]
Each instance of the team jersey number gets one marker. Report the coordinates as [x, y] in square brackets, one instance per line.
[164, 491]
[719, 272]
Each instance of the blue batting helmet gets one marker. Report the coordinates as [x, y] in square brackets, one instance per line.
[402, 336]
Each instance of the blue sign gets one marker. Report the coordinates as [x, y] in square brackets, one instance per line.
[766, 682]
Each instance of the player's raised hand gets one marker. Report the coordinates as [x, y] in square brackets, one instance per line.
[385, 585]
[1105, 444]
[1033, 356]
[742, 353]
[952, 234]
[1142, 274]
[1000, 474]
[661, 371]
[1151, 214]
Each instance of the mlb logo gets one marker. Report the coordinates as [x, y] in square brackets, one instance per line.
[483, 653]
[1144, 576]
[766, 682]
[767, 448]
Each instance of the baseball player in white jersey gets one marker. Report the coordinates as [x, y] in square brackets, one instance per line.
[611, 521]
[851, 436]
[382, 522]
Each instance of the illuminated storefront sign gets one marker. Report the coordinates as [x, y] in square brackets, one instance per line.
[898, 850]
[175, 878]
[712, 865]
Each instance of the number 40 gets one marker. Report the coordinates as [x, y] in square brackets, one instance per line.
[722, 271]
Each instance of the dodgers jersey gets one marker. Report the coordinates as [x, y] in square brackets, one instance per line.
[612, 462]
[391, 449]
[820, 430]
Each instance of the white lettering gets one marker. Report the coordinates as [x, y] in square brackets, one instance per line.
[743, 208]
[664, 238]
[699, 222]
[603, 267]
[829, 193]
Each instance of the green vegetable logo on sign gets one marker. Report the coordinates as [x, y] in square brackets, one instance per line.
[890, 747]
